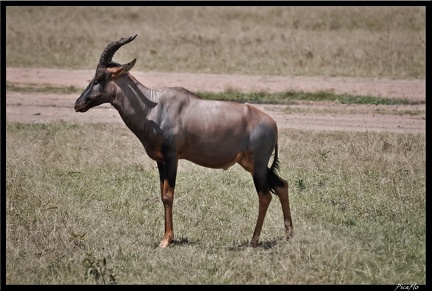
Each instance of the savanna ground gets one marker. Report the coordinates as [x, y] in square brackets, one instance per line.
[36, 106]
[76, 213]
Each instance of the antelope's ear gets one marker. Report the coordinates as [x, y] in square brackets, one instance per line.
[129, 66]
[116, 71]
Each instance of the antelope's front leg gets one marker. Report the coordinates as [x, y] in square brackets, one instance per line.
[167, 175]
[167, 199]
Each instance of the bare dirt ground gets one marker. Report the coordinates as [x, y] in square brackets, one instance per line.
[46, 107]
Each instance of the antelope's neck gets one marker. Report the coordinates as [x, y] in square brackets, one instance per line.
[135, 103]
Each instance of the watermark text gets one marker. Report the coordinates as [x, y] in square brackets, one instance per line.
[411, 287]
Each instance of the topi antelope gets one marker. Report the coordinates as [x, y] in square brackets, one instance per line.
[173, 124]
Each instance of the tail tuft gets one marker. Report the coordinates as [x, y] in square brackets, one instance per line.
[273, 179]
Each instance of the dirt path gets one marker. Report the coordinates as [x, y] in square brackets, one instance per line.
[42, 107]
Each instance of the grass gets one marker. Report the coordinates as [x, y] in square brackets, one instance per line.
[294, 97]
[288, 97]
[364, 41]
[330, 108]
[38, 88]
[83, 207]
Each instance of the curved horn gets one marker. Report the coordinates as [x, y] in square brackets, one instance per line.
[112, 48]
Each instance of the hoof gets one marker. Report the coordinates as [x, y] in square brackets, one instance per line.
[164, 244]
[289, 234]
[254, 243]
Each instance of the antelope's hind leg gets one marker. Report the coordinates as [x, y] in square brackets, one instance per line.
[282, 193]
[264, 198]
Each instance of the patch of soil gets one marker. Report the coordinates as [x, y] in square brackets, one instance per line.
[43, 107]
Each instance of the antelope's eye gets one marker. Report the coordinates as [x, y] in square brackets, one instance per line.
[96, 81]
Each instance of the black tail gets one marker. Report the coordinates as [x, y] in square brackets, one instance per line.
[273, 179]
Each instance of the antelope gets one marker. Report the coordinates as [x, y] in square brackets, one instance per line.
[172, 124]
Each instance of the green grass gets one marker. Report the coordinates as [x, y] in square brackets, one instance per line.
[293, 97]
[83, 207]
[363, 41]
[38, 88]
[288, 97]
